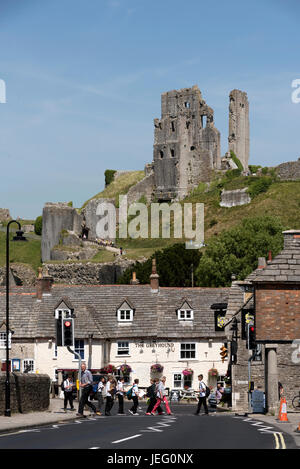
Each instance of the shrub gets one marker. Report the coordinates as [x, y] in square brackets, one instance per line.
[236, 160]
[38, 224]
[259, 186]
[109, 176]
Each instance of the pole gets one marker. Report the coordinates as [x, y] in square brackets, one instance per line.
[7, 412]
[79, 367]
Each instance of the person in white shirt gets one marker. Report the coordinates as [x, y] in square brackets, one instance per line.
[135, 397]
[99, 393]
[161, 398]
[109, 388]
[202, 396]
[120, 394]
[68, 392]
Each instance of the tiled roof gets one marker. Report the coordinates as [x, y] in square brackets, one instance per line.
[95, 308]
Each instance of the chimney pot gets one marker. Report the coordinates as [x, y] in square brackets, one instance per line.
[43, 284]
[154, 277]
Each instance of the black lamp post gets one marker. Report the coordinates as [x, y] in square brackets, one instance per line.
[18, 237]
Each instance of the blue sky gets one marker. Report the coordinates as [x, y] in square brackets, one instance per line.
[84, 79]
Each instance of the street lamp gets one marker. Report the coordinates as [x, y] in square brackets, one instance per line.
[19, 237]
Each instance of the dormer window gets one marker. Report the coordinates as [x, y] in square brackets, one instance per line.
[185, 313]
[125, 315]
[125, 312]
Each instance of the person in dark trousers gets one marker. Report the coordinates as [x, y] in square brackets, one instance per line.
[120, 394]
[99, 393]
[202, 396]
[86, 385]
[135, 397]
[68, 392]
[151, 393]
[110, 391]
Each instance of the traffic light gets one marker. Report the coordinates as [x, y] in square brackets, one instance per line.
[224, 353]
[68, 332]
[58, 332]
[251, 339]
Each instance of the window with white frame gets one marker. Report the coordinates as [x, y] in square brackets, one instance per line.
[185, 314]
[123, 348]
[3, 340]
[79, 348]
[63, 313]
[125, 315]
[181, 381]
[187, 351]
[28, 365]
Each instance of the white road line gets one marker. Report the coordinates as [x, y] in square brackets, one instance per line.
[152, 429]
[125, 439]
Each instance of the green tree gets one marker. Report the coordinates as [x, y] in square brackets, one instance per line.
[174, 266]
[38, 225]
[236, 251]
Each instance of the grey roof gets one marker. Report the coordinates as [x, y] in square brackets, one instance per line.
[95, 308]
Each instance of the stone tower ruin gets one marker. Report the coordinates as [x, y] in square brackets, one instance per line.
[238, 139]
[186, 144]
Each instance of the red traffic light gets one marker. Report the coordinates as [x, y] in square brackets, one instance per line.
[67, 323]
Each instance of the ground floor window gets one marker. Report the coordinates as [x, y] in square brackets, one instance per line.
[28, 365]
[187, 351]
[79, 348]
[181, 381]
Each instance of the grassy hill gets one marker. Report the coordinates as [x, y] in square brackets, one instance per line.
[275, 198]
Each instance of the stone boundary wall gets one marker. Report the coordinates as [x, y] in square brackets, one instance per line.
[28, 392]
[235, 197]
[88, 273]
[289, 171]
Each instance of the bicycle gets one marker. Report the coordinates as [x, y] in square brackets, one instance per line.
[296, 402]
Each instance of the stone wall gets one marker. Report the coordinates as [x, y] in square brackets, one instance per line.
[186, 144]
[4, 214]
[88, 273]
[234, 198]
[238, 139]
[56, 218]
[289, 171]
[20, 274]
[29, 392]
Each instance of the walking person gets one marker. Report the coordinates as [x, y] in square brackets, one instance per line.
[151, 393]
[109, 391]
[86, 385]
[68, 392]
[135, 397]
[120, 394]
[99, 393]
[161, 398]
[202, 396]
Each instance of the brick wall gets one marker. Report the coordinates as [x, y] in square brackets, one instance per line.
[28, 392]
[277, 313]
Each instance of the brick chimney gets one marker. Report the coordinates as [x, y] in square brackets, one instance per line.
[134, 280]
[154, 278]
[43, 284]
[291, 239]
[261, 263]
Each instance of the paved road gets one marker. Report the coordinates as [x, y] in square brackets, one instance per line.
[183, 430]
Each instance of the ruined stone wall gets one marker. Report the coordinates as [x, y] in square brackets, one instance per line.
[88, 273]
[289, 171]
[29, 392]
[238, 138]
[57, 217]
[4, 214]
[183, 137]
[234, 198]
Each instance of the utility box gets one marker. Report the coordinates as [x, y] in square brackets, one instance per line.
[258, 402]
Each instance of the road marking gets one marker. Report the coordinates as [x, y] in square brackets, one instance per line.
[152, 429]
[95, 447]
[125, 439]
[282, 441]
[277, 441]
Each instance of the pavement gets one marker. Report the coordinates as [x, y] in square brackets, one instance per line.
[56, 414]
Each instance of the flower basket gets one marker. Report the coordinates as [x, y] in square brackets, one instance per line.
[125, 369]
[187, 372]
[213, 372]
[156, 368]
[109, 369]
